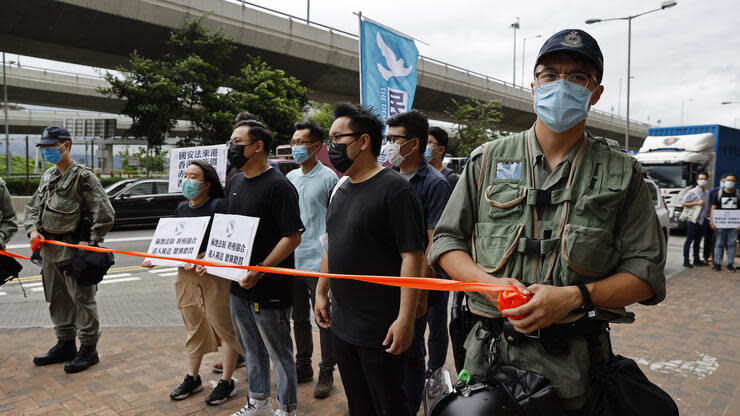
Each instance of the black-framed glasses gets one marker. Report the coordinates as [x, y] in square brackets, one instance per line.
[333, 139]
[392, 138]
[576, 77]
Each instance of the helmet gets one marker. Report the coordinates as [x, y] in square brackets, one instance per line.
[466, 397]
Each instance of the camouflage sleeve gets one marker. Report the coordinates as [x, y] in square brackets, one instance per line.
[32, 210]
[457, 223]
[8, 220]
[643, 243]
[97, 203]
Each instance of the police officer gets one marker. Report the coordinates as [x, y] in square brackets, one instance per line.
[562, 215]
[69, 205]
[8, 221]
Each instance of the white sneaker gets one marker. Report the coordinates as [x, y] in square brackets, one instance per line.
[281, 412]
[256, 408]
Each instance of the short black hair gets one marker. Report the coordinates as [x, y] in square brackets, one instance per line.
[702, 173]
[416, 125]
[315, 132]
[363, 121]
[440, 135]
[244, 116]
[579, 59]
[730, 174]
[210, 176]
[250, 123]
[261, 134]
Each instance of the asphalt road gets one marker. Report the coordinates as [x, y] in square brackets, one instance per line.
[133, 296]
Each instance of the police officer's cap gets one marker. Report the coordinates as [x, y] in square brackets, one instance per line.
[54, 134]
[575, 41]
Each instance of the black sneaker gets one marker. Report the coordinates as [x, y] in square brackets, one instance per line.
[699, 263]
[223, 391]
[304, 372]
[189, 386]
[325, 383]
[687, 264]
[731, 268]
[716, 267]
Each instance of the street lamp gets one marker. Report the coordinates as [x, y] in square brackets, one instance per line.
[664, 5]
[682, 103]
[619, 110]
[730, 102]
[524, 44]
[7, 133]
[514, 26]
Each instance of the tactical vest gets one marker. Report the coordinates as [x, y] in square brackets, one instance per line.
[62, 201]
[578, 246]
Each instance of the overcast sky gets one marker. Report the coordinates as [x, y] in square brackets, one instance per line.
[689, 53]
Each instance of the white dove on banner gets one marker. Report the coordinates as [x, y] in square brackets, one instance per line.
[397, 66]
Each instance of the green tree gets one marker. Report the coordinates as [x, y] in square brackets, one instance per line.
[156, 160]
[192, 81]
[320, 113]
[475, 122]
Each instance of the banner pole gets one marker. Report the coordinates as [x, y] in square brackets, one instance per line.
[359, 54]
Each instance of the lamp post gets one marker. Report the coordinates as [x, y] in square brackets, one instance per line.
[619, 109]
[734, 123]
[514, 26]
[7, 133]
[524, 44]
[663, 5]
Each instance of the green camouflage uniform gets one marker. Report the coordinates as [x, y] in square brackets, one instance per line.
[8, 221]
[600, 221]
[56, 211]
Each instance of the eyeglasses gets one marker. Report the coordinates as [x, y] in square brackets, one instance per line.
[301, 142]
[335, 138]
[392, 139]
[576, 77]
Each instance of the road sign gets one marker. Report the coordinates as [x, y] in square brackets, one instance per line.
[91, 127]
[133, 161]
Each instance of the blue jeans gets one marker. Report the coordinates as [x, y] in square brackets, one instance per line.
[438, 333]
[694, 232]
[264, 335]
[725, 237]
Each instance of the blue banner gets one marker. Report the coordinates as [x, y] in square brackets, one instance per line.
[387, 69]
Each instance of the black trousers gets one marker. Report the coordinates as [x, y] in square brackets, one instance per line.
[372, 379]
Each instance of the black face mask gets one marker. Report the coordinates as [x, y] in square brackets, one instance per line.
[338, 156]
[236, 156]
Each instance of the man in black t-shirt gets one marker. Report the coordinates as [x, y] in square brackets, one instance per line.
[727, 198]
[260, 303]
[374, 227]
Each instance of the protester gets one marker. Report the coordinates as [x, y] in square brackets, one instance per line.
[727, 198]
[374, 227]
[8, 220]
[406, 141]
[314, 183]
[697, 196]
[435, 153]
[203, 301]
[261, 302]
[68, 188]
[245, 118]
[709, 233]
[545, 209]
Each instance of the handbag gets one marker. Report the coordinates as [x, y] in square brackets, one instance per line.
[620, 388]
[691, 214]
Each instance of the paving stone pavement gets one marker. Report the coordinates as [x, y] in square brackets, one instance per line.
[688, 345]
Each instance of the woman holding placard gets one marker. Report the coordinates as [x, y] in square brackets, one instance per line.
[204, 300]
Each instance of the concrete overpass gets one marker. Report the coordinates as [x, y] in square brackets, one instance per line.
[323, 58]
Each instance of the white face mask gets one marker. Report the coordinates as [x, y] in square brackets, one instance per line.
[393, 153]
[702, 182]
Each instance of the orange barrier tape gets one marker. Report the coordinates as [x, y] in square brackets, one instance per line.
[427, 283]
[9, 254]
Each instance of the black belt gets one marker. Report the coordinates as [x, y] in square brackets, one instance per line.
[554, 339]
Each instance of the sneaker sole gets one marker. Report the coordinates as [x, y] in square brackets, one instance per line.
[186, 395]
[217, 402]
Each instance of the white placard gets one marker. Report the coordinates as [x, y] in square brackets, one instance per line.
[726, 218]
[177, 237]
[230, 241]
[180, 160]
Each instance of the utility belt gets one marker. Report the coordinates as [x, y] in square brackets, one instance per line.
[554, 339]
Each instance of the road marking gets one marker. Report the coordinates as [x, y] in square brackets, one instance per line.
[164, 270]
[168, 274]
[3, 293]
[107, 241]
[123, 279]
[33, 284]
[701, 368]
[113, 276]
[116, 270]
[37, 289]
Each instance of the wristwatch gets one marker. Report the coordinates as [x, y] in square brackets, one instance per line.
[587, 306]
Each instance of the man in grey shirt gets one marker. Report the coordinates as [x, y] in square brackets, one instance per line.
[699, 195]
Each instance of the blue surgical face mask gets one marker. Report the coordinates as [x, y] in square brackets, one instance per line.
[561, 104]
[300, 153]
[52, 154]
[730, 185]
[428, 154]
[190, 188]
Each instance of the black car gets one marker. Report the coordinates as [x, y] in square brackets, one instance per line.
[143, 202]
